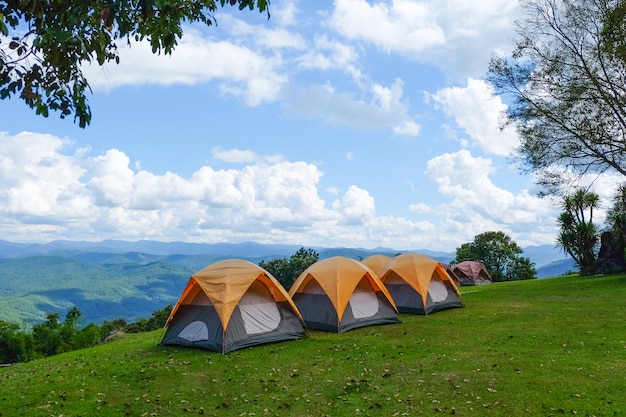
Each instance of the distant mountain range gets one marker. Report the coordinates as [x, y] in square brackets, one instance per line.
[120, 279]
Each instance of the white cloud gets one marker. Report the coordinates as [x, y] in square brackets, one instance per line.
[36, 178]
[285, 15]
[329, 54]
[111, 179]
[333, 190]
[404, 26]
[242, 71]
[407, 128]
[384, 107]
[356, 206]
[476, 110]
[234, 155]
[100, 197]
[265, 34]
[477, 205]
[420, 208]
[456, 35]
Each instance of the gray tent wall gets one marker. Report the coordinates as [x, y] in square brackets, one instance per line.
[320, 314]
[197, 325]
[410, 301]
[235, 337]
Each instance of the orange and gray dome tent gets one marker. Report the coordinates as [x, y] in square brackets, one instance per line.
[339, 294]
[230, 305]
[377, 263]
[419, 284]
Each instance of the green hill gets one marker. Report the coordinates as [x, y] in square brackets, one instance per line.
[533, 348]
[34, 286]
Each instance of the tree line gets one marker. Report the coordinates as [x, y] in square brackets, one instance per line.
[54, 336]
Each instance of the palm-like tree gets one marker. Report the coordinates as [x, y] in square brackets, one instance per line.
[578, 236]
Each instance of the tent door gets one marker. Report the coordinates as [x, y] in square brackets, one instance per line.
[195, 331]
[259, 311]
[363, 300]
[437, 290]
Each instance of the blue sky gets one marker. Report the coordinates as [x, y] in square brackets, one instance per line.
[348, 123]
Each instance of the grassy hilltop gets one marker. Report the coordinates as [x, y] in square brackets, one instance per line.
[531, 348]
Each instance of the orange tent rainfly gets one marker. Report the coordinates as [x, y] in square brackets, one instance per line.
[420, 285]
[339, 294]
[377, 263]
[230, 305]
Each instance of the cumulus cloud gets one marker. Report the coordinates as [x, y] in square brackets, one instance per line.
[241, 71]
[50, 193]
[37, 178]
[407, 128]
[456, 35]
[356, 206]
[405, 26]
[477, 111]
[478, 205]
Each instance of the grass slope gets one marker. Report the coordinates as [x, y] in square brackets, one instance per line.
[532, 348]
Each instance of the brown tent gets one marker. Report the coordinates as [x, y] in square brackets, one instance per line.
[471, 273]
[230, 305]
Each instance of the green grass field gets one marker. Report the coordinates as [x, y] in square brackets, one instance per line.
[534, 348]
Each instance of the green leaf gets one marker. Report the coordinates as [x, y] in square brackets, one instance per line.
[4, 30]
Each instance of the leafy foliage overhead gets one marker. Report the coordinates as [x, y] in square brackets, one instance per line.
[565, 83]
[43, 44]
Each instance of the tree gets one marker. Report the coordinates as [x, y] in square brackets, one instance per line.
[286, 271]
[51, 40]
[566, 88]
[156, 321]
[15, 344]
[499, 253]
[279, 268]
[578, 235]
[616, 218]
[108, 327]
[614, 32]
[46, 335]
[520, 268]
[612, 256]
[52, 337]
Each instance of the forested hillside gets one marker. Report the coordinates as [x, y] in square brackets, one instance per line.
[118, 279]
[34, 286]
